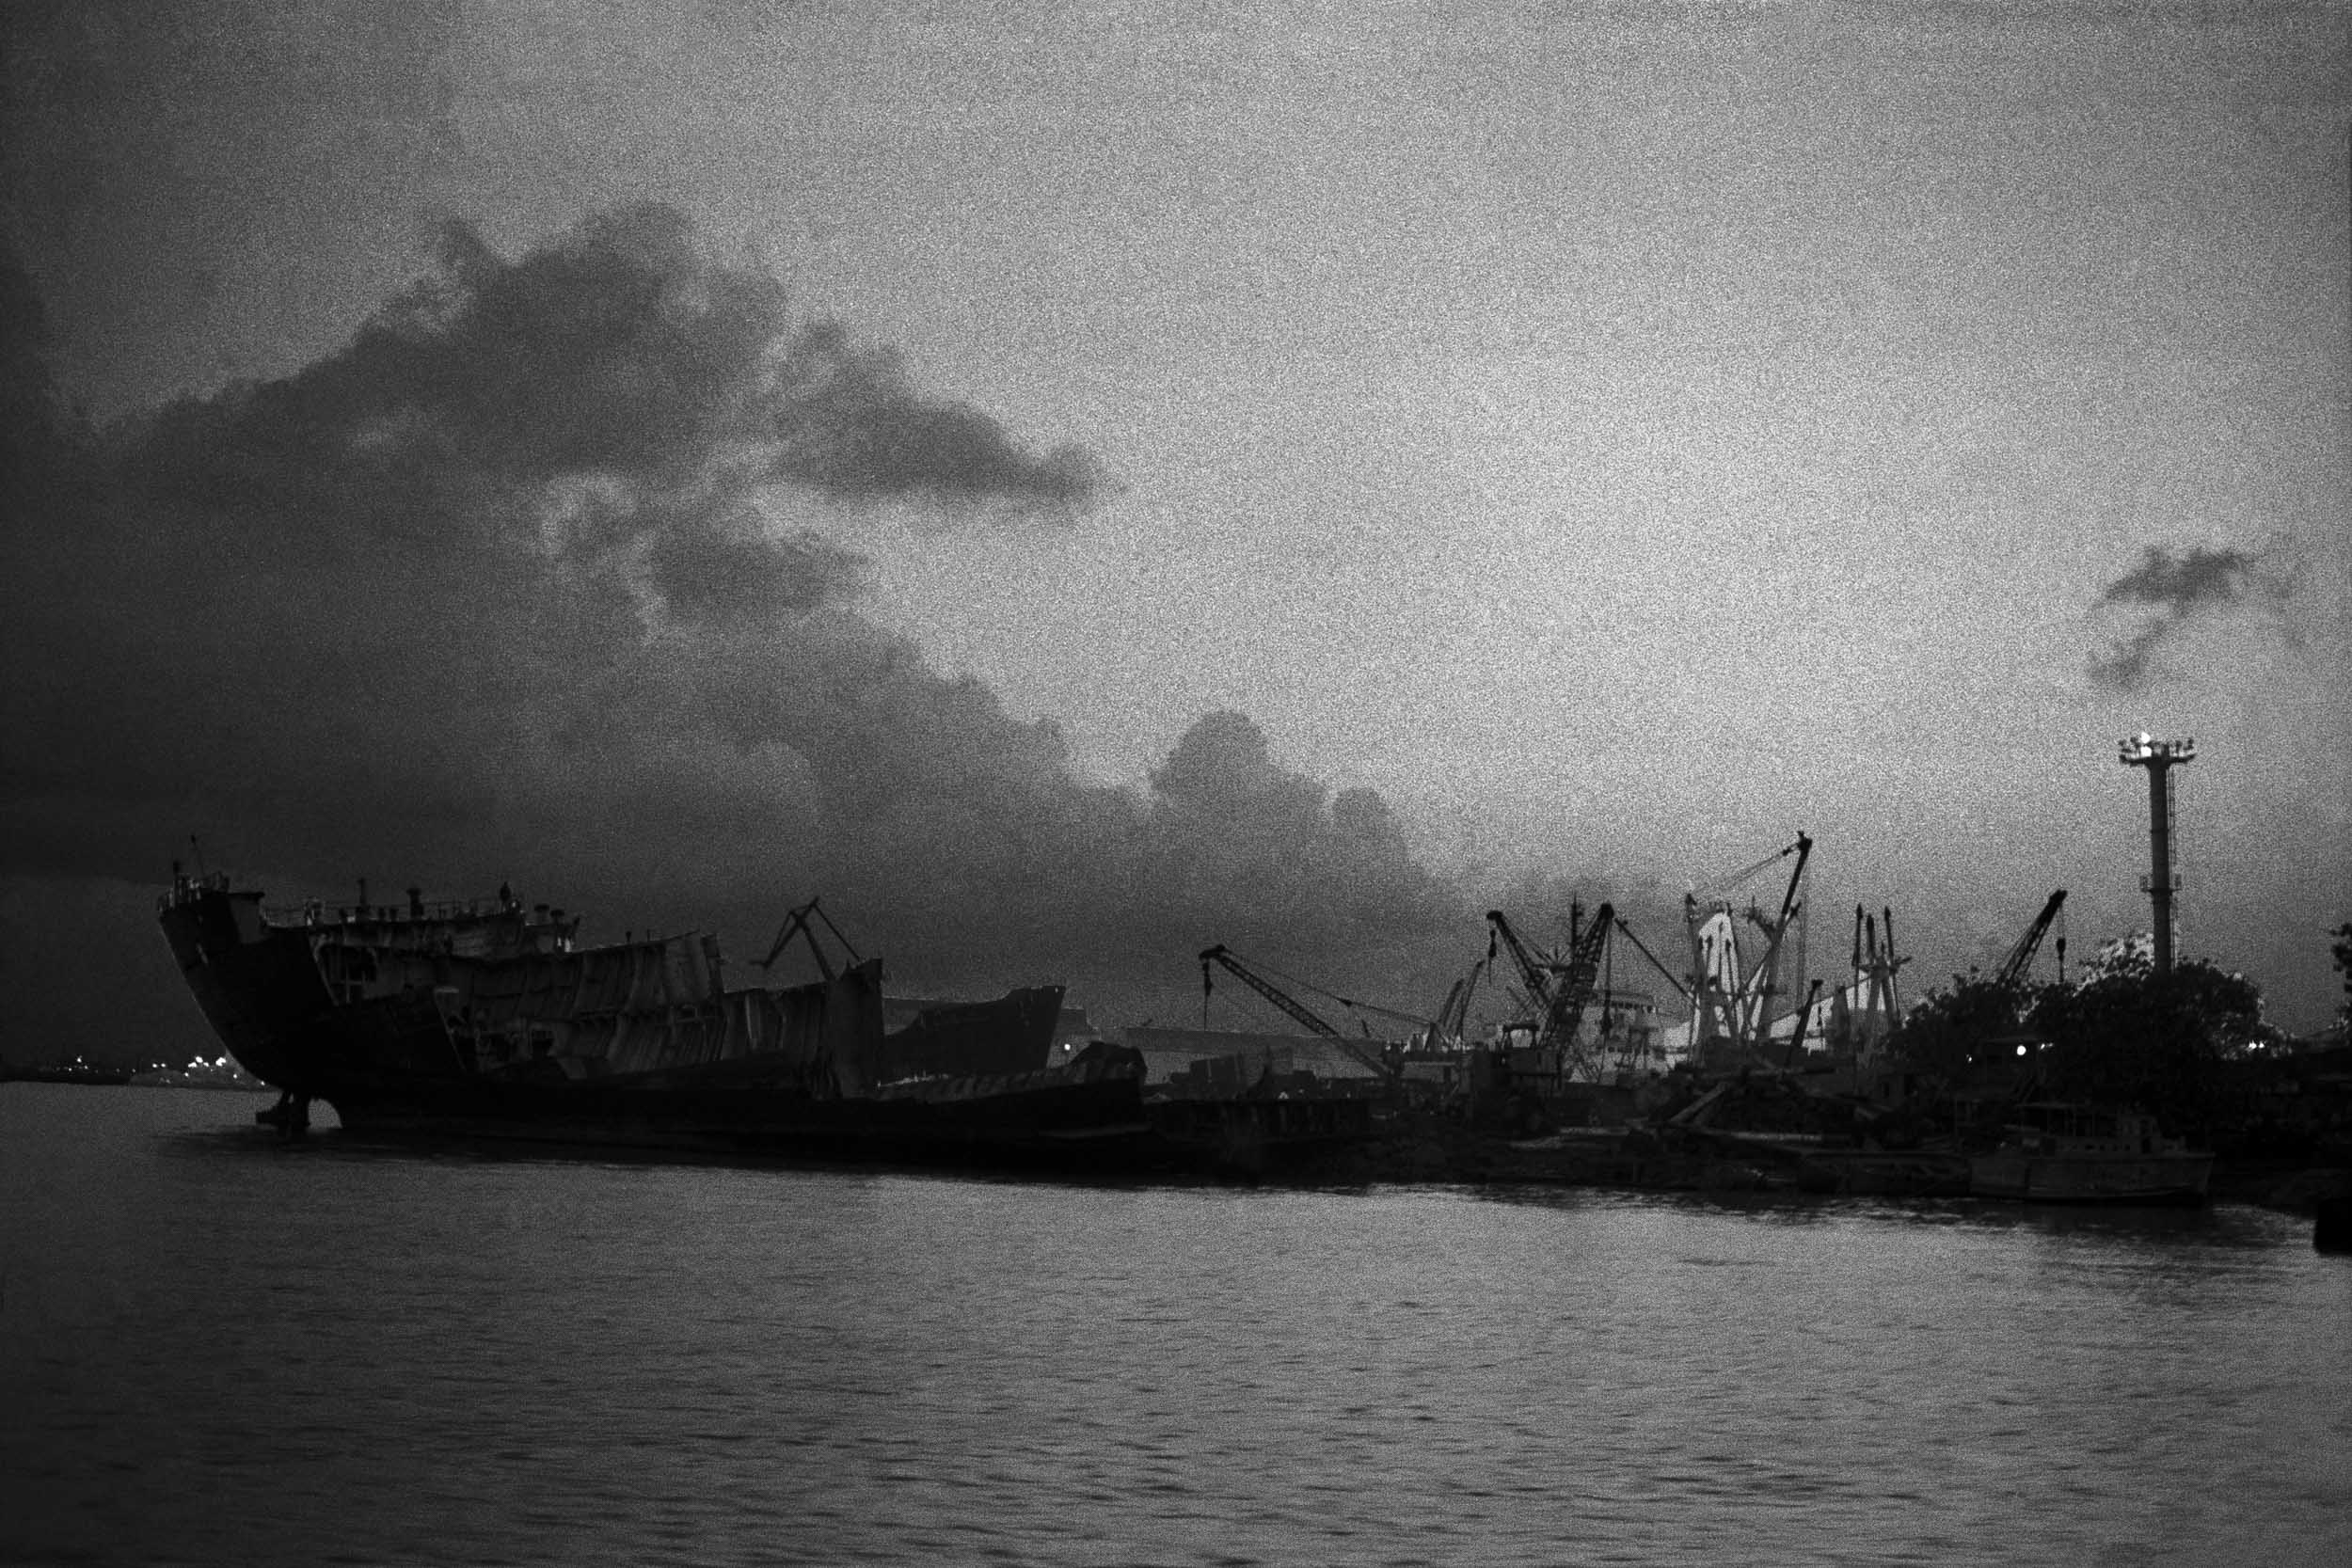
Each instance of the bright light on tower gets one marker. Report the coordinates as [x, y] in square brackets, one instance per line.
[2139, 750]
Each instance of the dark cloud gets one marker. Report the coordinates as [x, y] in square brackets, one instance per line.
[614, 372]
[2197, 576]
[2170, 591]
[499, 591]
[1223, 769]
[853, 427]
[2125, 666]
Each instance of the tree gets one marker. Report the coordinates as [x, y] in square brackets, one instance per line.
[2131, 1035]
[1950, 1031]
[2124, 1034]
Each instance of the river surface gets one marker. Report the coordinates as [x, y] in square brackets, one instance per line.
[214, 1348]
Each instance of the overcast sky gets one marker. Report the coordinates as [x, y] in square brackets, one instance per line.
[1586, 442]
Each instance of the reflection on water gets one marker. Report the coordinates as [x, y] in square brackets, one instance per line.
[222, 1349]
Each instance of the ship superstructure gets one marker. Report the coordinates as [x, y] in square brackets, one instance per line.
[491, 1018]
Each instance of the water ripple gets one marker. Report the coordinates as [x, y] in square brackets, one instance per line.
[218, 1350]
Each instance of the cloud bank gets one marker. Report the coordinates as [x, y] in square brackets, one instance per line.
[512, 588]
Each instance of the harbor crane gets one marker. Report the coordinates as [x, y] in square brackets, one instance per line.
[2013, 968]
[797, 923]
[1866, 1011]
[1731, 1000]
[1681, 983]
[1559, 991]
[1232, 963]
[1577, 978]
[1445, 1031]
[1534, 974]
[1802, 1019]
[2011, 977]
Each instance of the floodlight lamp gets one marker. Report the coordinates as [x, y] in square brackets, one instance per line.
[2139, 750]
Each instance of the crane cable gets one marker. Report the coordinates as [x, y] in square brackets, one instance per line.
[1735, 878]
[1297, 984]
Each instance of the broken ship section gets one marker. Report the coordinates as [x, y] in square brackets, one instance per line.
[486, 1019]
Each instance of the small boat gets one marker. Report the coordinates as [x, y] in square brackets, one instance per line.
[2056, 1151]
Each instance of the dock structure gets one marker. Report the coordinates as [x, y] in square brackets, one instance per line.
[1173, 1054]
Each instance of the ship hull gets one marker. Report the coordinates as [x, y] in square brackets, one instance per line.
[2090, 1177]
[1063, 1122]
[610, 1048]
[393, 1065]
[2061, 1151]
[259, 989]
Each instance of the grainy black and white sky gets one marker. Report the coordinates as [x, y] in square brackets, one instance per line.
[1077, 482]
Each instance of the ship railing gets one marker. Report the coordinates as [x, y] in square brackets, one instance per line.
[443, 911]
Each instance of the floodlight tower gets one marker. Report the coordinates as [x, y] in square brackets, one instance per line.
[2159, 757]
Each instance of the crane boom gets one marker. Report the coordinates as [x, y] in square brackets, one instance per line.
[1681, 986]
[1456, 998]
[1566, 1010]
[2021, 957]
[1802, 846]
[1225, 958]
[1456, 1018]
[1731, 999]
[797, 924]
[1559, 991]
[1534, 974]
[1758, 989]
[1804, 1018]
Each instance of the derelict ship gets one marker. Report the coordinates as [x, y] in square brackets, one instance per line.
[486, 1017]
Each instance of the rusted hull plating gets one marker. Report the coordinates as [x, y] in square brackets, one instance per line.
[489, 1023]
[636, 1045]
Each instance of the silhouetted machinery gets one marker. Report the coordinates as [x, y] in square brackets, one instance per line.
[1732, 998]
[2020, 959]
[1559, 990]
[1232, 963]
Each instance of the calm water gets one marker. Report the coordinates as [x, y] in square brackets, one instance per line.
[214, 1349]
